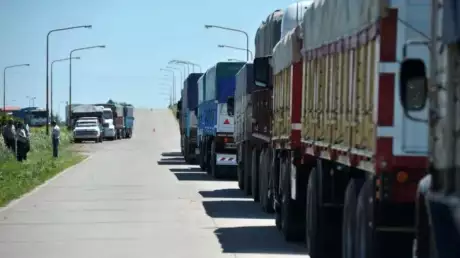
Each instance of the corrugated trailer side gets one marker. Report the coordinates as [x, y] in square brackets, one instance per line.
[360, 161]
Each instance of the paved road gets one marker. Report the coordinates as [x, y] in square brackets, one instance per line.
[135, 198]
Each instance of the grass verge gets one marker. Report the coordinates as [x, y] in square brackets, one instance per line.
[18, 178]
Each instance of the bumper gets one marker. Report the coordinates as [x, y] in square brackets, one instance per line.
[86, 137]
[109, 133]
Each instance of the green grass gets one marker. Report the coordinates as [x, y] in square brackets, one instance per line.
[18, 178]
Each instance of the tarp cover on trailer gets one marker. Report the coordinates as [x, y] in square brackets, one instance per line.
[268, 34]
[451, 21]
[87, 109]
[244, 81]
[191, 90]
[287, 51]
[293, 16]
[328, 20]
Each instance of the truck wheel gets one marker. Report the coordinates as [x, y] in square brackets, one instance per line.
[422, 243]
[349, 217]
[314, 223]
[214, 168]
[247, 170]
[239, 168]
[288, 220]
[264, 172]
[255, 175]
[200, 157]
[364, 218]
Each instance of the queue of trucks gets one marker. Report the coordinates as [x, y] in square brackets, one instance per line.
[328, 127]
[97, 122]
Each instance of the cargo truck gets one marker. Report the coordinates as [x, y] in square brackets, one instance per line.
[345, 161]
[253, 111]
[188, 116]
[128, 115]
[438, 195]
[217, 150]
[118, 118]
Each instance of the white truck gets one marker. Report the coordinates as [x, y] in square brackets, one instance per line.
[87, 129]
[109, 131]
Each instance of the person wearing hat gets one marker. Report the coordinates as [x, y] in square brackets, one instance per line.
[56, 136]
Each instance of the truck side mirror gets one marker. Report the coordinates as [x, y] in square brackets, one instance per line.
[177, 114]
[261, 70]
[413, 89]
[230, 106]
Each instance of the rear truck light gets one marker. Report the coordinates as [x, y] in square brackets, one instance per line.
[402, 177]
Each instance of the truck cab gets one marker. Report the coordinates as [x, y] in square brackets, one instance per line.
[109, 131]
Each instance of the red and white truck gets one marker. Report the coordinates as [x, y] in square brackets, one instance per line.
[341, 162]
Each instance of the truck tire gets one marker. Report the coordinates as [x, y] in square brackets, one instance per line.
[215, 171]
[255, 174]
[314, 223]
[364, 218]
[349, 217]
[288, 218]
[247, 170]
[201, 158]
[239, 168]
[265, 164]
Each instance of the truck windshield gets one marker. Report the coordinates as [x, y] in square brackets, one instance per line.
[107, 114]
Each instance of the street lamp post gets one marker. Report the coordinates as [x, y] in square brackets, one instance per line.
[31, 100]
[48, 64]
[4, 82]
[237, 48]
[235, 30]
[188, 63]
[170, 92]
[177, 69]
[51, 81]
[173, 83]
[70, 73]
[184, 65]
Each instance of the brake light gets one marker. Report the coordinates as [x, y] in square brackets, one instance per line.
[225, 140]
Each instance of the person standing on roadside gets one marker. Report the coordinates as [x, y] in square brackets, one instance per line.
[56, 136]
[22, 143]
[9, 135]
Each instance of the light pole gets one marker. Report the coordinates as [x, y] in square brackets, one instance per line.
[173, 82]
[51, 81]
[59, 106]
[237, 48]
[188, 63]
[48, 64]
[235, 30]
[169, 88]
[184, 65]
[177, 69]
[4, 82]
[70, 74]
[31, 101]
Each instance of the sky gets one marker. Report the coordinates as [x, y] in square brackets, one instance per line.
[141, 37]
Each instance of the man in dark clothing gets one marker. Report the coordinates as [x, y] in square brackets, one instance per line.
[22, 143]
[9, 135]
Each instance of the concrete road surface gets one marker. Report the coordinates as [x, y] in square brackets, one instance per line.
[136, 198]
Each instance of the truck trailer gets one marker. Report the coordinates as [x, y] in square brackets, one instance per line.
[188, 116]
[128, 115]
[217, 151]
[337, 159]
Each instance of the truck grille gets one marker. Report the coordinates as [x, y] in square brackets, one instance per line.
[85, 132]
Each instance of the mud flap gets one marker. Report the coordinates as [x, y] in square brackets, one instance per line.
[226, 159]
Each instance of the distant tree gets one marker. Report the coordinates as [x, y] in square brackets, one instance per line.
[111, 102]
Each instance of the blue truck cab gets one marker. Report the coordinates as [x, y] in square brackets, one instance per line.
[216, 146]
